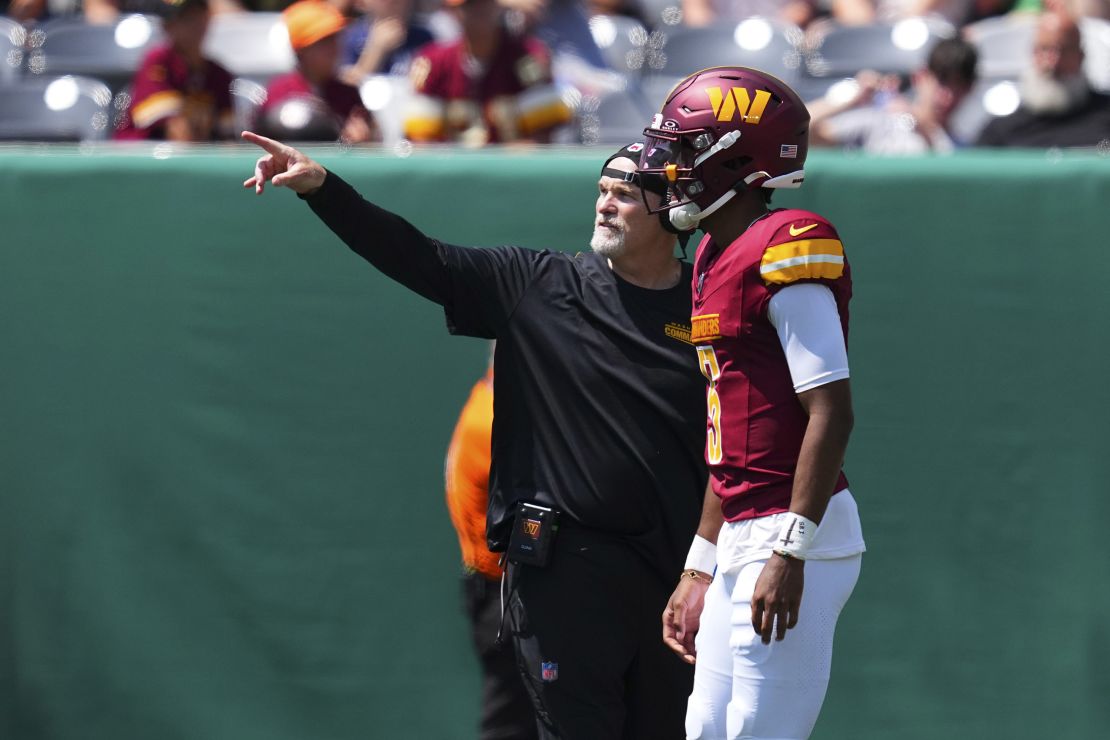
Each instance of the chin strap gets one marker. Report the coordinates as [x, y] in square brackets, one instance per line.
[683, 235]
[687, 217]
[683, 240]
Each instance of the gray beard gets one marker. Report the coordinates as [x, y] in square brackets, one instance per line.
[606, 242]
[1044, 95]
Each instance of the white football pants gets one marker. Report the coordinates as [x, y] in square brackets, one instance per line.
[745, 690]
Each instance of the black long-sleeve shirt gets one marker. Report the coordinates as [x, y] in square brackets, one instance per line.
[598, 400]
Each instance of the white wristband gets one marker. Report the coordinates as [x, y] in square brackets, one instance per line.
[702, 556]
[796, 536]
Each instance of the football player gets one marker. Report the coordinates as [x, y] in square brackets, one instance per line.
[770, 323]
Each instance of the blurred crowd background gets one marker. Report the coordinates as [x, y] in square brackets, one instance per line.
[882, 76]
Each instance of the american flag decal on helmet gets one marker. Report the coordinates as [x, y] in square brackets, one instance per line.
[788, 151]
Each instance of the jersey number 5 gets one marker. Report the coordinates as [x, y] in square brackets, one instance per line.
[707, 360]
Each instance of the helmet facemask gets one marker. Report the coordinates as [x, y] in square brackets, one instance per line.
[677, 157]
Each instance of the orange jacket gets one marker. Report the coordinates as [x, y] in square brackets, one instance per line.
[467, 474]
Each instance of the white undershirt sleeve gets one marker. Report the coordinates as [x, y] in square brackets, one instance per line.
[808, 324]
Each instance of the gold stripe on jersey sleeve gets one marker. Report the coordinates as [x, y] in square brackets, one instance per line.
[153, 109]
[424, 119]
[541, 107]
[801, 260]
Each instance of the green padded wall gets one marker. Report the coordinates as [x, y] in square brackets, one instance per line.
[221, 443]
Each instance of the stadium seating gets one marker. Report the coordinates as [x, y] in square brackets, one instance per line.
[622, 42]
[898, 48]
[250, 45]
[661, 13]
[109, 53]
[755, 42]
[991, 97]
[647, 60]
[1096, 48]
[12, 39]
[655, 90]
[247, 98]
[387, 98]
[1004, 44]
[62, 108]
[617, 118]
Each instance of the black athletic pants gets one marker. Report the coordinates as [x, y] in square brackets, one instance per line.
[507, 712]
[588, 634]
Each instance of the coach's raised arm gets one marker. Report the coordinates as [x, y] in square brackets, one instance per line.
[384, 239]
[598, 434]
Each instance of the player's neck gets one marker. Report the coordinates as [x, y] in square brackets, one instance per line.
[313, 79]
[731, 221]
[655, 268]
[193, 55]
[483, 44]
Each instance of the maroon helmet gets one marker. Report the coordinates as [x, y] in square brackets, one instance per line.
[722, 129]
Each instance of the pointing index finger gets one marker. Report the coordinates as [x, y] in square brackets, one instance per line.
[271, 146]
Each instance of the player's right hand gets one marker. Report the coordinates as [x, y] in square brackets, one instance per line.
[283, 166]
[682, 617]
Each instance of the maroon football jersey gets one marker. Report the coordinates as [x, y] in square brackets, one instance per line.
[342, 99]
[165, 86]
[475, 94]
[755, 422]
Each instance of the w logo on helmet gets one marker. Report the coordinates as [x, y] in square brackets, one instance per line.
[726, 105]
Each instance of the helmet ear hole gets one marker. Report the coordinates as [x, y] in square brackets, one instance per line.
[737, 163]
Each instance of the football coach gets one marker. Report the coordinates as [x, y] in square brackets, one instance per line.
[598, 474]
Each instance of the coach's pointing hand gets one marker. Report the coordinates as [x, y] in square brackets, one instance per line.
[284, 166]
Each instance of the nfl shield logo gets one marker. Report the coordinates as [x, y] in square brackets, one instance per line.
[549, 671]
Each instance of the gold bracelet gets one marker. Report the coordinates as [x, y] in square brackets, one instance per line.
[697, 575]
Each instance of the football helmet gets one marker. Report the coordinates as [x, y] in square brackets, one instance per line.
[722, 130]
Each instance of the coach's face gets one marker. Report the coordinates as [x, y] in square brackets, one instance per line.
[622, 221]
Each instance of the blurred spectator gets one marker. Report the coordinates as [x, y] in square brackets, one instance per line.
[628, 8]
[1091, 9]
[25, 11]
[956, 12]
[488, 86]
[560, 24]
[879, 121]
[1073, 8]
[104, 12]
[1058, 106]
[314, 28]
[706, 12]
[383, 40]
[177, 94]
